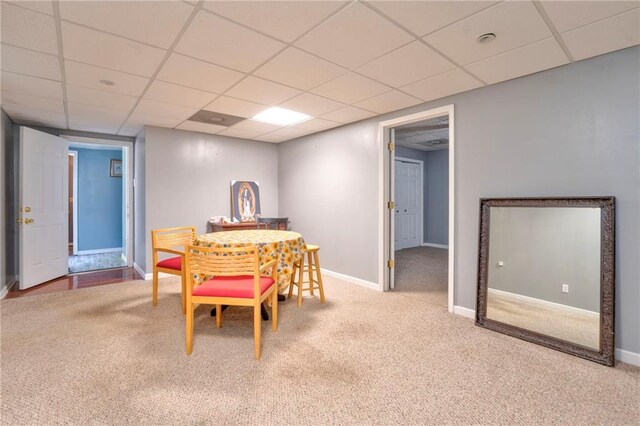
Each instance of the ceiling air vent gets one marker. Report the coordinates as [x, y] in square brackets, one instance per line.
[217, 118]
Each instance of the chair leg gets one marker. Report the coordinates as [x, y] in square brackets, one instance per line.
[184, 293]
[310, 272]
[218, 316]
[319, 275]
[154, 301]
[189, 329]
[274, 309]
[257, 324]
[300, 280]
[293, 280]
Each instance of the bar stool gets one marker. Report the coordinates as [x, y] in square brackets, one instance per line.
[313, 265]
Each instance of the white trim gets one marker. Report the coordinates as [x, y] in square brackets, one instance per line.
[628, 357]
[139, 270]
[542, 302]
[5, 290]
[98, 251]
[74, 194]
[352, 280]
[440, 246]
[149, 276]
[383, 180]
[420, 197]
[465, 312]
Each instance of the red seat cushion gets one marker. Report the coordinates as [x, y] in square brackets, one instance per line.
[240, 286]
[171, 263]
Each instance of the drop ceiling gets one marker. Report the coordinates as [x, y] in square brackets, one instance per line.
[426, 135]
[337, 61]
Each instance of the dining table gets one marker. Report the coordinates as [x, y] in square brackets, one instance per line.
[287, 247]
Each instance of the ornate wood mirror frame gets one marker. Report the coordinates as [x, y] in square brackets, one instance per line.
[605, 354]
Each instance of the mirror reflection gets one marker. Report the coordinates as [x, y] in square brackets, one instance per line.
[544, 271]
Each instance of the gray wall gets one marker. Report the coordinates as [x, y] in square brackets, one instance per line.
[436, 199]
[543, 248]
[572, 130]
[188, 177]
[139, 202]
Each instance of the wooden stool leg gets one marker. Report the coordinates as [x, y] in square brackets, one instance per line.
[293, 280]
[319, 275]
[310, 272]
[300, 280]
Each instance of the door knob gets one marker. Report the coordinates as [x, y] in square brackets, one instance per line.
[18, 220]
[28, 220]
[27, 209]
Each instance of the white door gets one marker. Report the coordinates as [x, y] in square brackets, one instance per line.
[44, 200]
[408, 184]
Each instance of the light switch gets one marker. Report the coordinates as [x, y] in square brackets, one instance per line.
[565, 288]
[500, 263]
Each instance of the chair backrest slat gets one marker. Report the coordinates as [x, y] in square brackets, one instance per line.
[173, 237]
[223, 261]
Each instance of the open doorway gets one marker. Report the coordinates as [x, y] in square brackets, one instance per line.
[417, 186]
[97, 207]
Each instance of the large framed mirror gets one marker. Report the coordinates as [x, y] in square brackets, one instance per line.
[546, 272]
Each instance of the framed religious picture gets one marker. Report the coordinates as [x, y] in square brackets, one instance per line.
[245, 200]
[115, 169]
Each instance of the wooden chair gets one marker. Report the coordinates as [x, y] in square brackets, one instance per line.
[236, 279]
[312, 266]
[165, 241]
[281, 223]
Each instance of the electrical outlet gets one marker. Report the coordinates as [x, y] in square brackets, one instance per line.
[501, 264]
[565, 288]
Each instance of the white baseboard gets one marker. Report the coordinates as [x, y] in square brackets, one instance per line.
[543, 303]
[352, 280]
[628, 357]
[3, 292]
[620, 354]
[465, 312]
[139, 270]
[98, 251]
[441, 246]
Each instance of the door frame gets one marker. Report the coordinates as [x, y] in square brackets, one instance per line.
[127, 157]
[420, 196]
[385, 242]
[74, 194]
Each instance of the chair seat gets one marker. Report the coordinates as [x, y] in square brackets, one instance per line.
[240, 286]
[171, 263]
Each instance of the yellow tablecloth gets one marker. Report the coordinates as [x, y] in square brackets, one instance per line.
[286, 246]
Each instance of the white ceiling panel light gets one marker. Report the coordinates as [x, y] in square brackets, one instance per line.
[280, 117]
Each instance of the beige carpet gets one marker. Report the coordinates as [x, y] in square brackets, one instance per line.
[102, 355]
[421, 272]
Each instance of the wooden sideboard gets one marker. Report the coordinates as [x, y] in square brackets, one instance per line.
[218, 227]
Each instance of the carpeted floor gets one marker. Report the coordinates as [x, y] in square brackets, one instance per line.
[95, 262]
[421, 272]
[102, 355]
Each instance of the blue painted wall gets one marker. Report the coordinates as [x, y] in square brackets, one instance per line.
[99, 200]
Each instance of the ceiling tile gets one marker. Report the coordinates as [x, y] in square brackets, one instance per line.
[84, 95]
[424, 17]
[28, 62]
[308, 103]
[296, 68]
[18, 83]
[146, 106]
[567, 15]
[272, 138]
[515, 23]
[285, 20]
[604, 36]
[179, 95]
[29, 101]
[353, 37]
[194, 126]
[317, 125]
[94, 125]
[95, 113]
[151, 120]
[235, 106]
[406, 65]
[105, 50]
[526, 60]
[262, 91]
[217, 40]
[237, 133]
[153, 22]
[38, 6]
[348, 115]
[255, 126]
[442, 85]
[198, 74]
[90, 76]
[35, 117]
[29, 29]
[389, 101]
[130, 129]
[284, 134]
[350, 88]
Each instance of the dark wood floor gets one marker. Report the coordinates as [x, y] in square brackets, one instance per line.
[72, 282]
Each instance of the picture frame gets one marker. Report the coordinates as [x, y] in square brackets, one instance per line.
[245, 200]
[115, 169]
